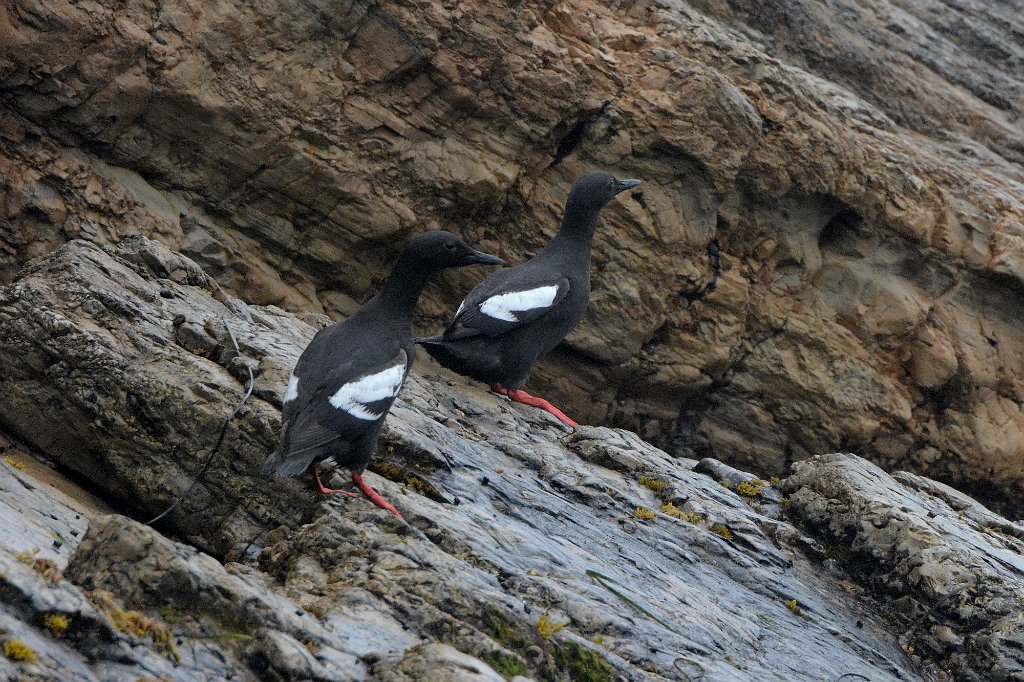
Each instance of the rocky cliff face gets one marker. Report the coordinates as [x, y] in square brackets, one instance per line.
[529, 551]
[859, 165]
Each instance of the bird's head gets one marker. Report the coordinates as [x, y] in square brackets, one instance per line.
[594, 190]
[439, 250]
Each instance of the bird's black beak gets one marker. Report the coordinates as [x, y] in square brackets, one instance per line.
[481, 258]
[623, 185]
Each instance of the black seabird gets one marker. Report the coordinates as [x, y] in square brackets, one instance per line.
[349, 374]
[516, 315]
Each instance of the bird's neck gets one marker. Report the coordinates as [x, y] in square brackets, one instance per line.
[402, 290]
[576, 235]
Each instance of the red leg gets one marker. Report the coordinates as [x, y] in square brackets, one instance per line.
[372, 494]
[320, 489]
[533, 401]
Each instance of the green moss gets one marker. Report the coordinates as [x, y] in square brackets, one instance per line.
[511, 636]
[505, 665]
[610, 585]
[503, 632]
[233, 636]
[775, 481]
[395, 473]
[424, 488]
[386, 469]
[572, 660]
[168, 614]
[19, 652]
[582, 664]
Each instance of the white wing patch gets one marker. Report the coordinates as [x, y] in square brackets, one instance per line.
[354, 396]
[293, 389]
[505, 306]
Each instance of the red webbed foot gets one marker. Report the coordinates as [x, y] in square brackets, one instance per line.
[533, 401]
[373, 496]
[319, 487]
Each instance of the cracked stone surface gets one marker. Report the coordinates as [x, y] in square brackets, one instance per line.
[528, 550]
[857, 162]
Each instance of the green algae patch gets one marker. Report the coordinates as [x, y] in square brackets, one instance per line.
[608, 583]
[566, 660]
[395, 473]
[582, 664]
[505, 665]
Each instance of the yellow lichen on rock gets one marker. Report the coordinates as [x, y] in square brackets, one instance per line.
[670, 509]
[14, 463]
[135, 624]
[655, 485]
[56, 623]
[547, 628]
[722, 531]
[645, 514]
[750, 488]
[20, 652]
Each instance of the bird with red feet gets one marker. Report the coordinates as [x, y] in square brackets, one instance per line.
[350, 373]
[516, 315]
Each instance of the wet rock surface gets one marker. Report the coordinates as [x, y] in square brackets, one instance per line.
[528, 550]
[857, 165]
[953, 570]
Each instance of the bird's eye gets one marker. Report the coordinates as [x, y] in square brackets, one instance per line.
[450, 246]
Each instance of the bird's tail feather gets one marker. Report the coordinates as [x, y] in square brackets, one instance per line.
[424, 340]
[282, 461]
[273, 460]
[439, 350]
[278, 464]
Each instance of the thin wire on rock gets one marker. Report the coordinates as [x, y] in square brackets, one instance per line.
[220, 437]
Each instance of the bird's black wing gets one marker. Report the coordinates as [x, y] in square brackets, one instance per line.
[506, 300]
[344, 404]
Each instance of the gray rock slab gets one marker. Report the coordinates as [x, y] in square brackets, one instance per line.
[539, 551]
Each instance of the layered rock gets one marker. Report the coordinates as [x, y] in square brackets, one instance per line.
[857, 163]
[529, 550]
